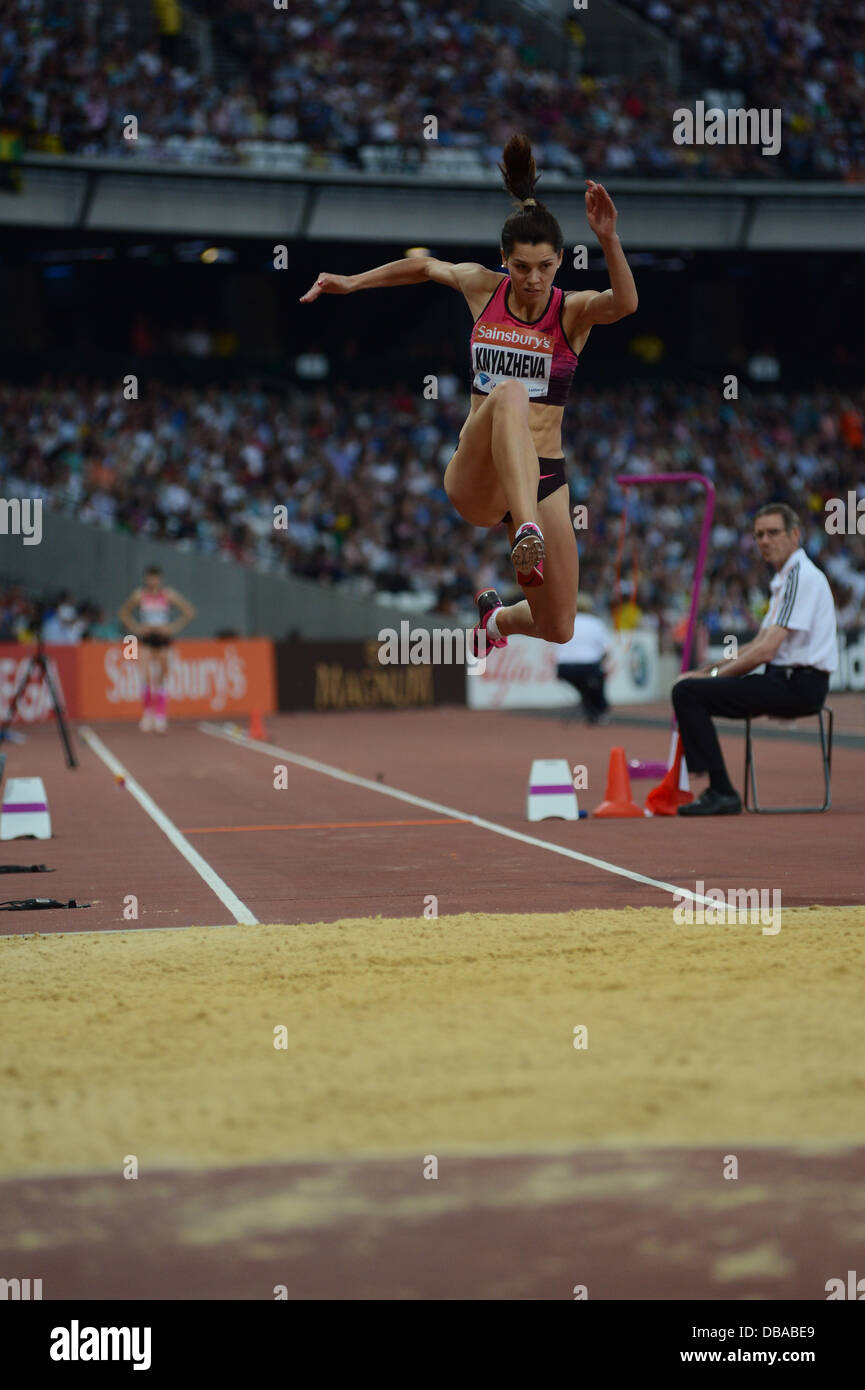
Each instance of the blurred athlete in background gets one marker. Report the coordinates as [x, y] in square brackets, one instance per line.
[156, 631]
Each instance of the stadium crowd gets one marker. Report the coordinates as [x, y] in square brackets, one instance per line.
[359, 476]
[347, 84]
[61, 620]
[805, 56]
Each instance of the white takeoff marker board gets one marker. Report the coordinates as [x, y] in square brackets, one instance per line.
[551, 791]
[25, 810]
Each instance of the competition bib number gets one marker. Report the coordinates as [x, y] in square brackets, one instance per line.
[501, 352]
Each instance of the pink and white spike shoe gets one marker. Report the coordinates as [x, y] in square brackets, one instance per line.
[487, 601]
[528, 553]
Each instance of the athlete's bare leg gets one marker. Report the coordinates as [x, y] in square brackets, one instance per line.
[145, 674]
[159, 670]
[495, 468]
[549, 610]
[145, 663]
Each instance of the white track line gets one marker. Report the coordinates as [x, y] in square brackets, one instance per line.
[121, 931]
[238, 909]
[240, 739]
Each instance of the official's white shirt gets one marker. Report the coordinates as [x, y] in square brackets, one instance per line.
[588, 644]
[802, 602]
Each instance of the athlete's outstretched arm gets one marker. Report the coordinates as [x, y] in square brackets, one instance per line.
[607, 306]
[411, 270]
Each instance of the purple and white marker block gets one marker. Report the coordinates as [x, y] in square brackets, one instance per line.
[551, 791]
[25, 810]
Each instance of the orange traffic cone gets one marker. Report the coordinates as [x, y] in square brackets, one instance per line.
[667, 797]
[618, 800]
[256, 728]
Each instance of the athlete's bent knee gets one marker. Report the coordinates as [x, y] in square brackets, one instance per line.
[559, 630]
[478, 518]
[511, 394]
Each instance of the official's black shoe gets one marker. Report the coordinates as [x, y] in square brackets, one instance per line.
[712, 803]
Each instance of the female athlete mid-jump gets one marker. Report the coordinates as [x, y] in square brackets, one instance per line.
[154, 603]
[508, 465]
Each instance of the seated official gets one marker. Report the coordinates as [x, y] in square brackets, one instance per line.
[798, 642]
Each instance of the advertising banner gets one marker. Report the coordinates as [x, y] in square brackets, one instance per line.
[850, 674]
[206, 679]
[522, 675]
[349, 675]
[35, 706]
[633, 661]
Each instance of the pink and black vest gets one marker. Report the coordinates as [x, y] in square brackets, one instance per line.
[538, 354]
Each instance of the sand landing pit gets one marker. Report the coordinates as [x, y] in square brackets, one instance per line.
[441, 1035]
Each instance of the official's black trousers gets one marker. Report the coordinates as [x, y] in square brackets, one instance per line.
[785, 691]
[588, 678]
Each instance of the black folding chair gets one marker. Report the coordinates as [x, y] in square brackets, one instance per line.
[826, 719]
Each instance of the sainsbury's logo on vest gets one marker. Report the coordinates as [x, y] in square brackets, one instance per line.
[495, 333]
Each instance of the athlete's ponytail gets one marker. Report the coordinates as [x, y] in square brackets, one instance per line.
[532, 223]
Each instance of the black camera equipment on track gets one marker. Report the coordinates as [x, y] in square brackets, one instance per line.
[37, 667]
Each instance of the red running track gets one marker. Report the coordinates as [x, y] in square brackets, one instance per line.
[646, 1224]
[322, 849]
